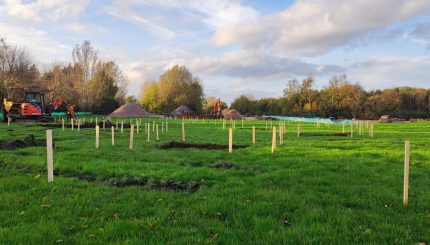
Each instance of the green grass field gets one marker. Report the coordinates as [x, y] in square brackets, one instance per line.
[316, 189]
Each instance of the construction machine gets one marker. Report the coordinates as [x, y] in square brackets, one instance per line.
[29, 104]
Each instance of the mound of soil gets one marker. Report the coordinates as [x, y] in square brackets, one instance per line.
[28, 141]
[174, 144]
[130, 110]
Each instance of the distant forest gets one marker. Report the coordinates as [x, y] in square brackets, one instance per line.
[341, 99]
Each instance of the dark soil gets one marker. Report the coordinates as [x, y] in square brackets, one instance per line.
[322, 134]
[229, 165]
[174, 144]
[226, 165]
[28, 141]
[125, 181]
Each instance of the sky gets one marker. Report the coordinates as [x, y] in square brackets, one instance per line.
[235, 47]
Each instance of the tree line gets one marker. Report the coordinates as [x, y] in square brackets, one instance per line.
[88, 82]
[340, 98]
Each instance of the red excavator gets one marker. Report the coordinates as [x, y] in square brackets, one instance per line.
[29, 104]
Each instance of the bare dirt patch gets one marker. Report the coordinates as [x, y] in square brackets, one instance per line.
[326, 134]
[28, 141]
[180, 145]
[120, 182]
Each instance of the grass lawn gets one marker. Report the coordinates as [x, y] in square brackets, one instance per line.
[317, 188]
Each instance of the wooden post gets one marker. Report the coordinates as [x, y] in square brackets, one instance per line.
[406, 174]
[183, 133]
[62, 123]
[122, 126]
[253, 134]
[116, 125]
[343, 128]
[230, 140]
[242, 123]
[274, 139]
[156, 131]
[79, 125]
[153, 126]
[137, 126]
[298, 130]
[148, 131]
[72, 122]
[113, 135]
[352, 130]
[49, 155]
[281, 134]
[97, 136]
[131, 137]
[104, 123]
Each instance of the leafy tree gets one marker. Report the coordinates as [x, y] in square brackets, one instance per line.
[177, 86]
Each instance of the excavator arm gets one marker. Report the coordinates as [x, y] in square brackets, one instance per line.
[60, 103]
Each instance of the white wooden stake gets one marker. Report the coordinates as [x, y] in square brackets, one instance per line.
[352, 130]
[79, 125]
[253, 134]
[122, 126]
[113, 135]
[274, 139]
[343, 128]
[72, 122]
[242, 122]
[137, 126]
[116, 125]
[148, 131]
[104, 123]
[97, 136]
[156, 131]
[406, 174]
[62, 123]
[281, 135]
[8, 121]
[230, 140]
[131, 137]
[49, 155]
[298, 130]
[183, 133]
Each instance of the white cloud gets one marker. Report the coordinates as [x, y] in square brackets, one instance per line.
[390, 71]
[42, 47]
[41, 9]
[258, 66]
[171, 17]
[310, 27]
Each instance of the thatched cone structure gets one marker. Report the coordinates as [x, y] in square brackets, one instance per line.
[231, 114]
[129, 110]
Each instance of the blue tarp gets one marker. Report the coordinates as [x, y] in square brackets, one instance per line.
[310, 119]
[63, 114]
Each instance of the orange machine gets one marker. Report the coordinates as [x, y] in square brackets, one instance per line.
[30, 104]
